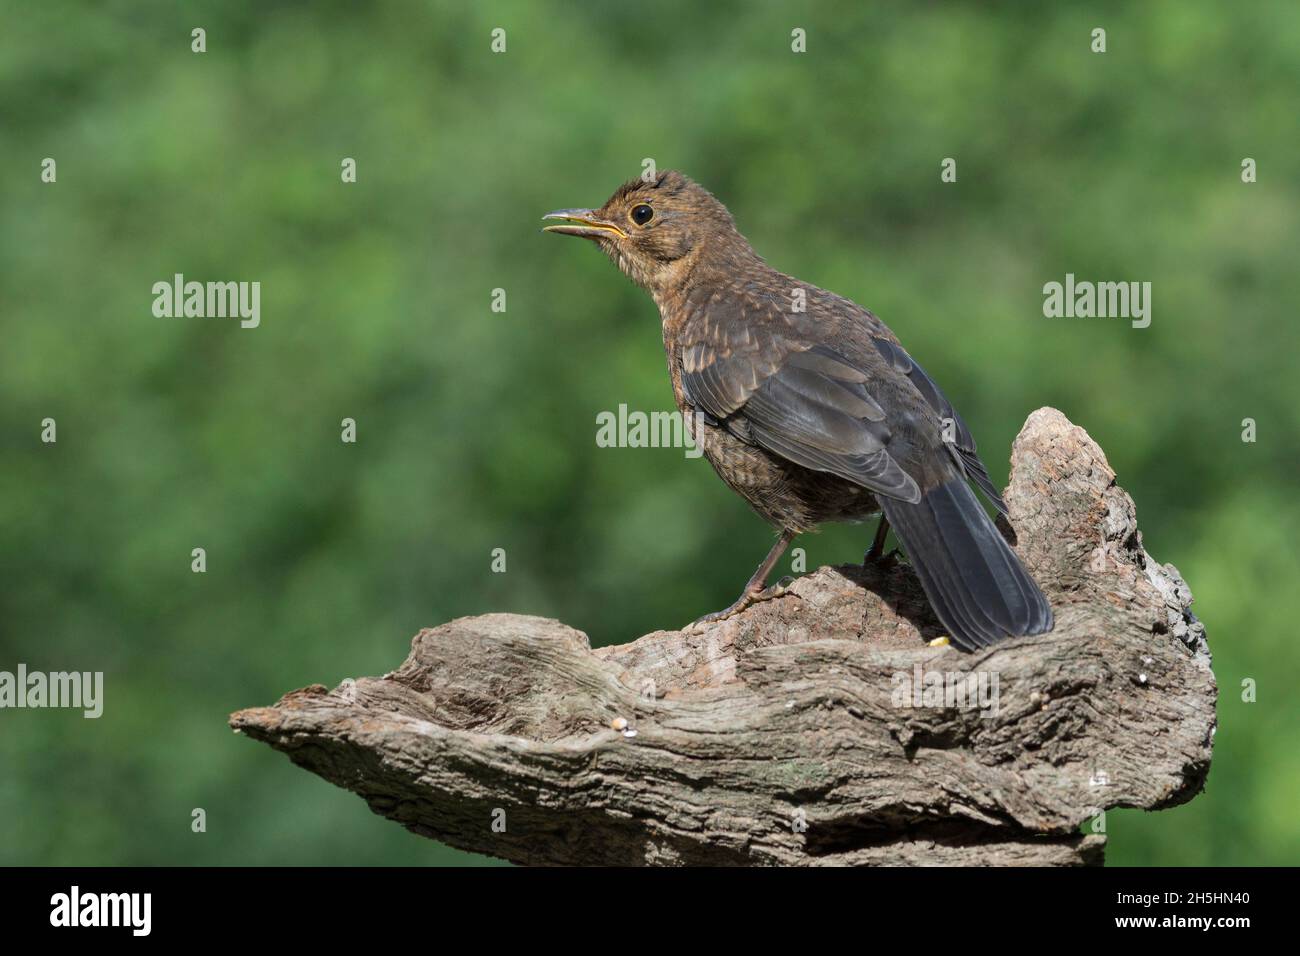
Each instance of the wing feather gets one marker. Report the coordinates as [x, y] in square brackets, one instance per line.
[962, 447]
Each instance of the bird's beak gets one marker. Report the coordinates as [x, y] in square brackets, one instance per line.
[582, 222]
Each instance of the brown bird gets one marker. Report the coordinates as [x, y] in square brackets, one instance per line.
[811, 409]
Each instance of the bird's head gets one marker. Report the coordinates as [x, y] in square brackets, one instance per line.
[658, 230]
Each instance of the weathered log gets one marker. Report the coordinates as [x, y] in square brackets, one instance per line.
[791, 733]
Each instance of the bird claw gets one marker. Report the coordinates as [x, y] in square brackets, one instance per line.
[745, 601]
[700, 622]
[698, 625]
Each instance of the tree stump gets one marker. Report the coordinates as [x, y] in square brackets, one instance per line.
[815, 728]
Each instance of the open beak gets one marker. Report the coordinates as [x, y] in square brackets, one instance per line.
[582, 222]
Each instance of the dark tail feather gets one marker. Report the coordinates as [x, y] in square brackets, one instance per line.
[976, 584]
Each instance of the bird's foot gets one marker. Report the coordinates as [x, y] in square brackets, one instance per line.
[746, 600]
[874, 556]
[701, 622]
[776, 590]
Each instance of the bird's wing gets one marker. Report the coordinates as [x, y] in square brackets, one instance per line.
[962, 446]
[809, 406]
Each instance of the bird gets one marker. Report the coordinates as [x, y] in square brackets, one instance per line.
[807, 405]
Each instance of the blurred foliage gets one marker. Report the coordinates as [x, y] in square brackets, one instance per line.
[476, 429]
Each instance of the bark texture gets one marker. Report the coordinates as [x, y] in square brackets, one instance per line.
[791, 734]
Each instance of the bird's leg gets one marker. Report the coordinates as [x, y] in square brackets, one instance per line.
[878, 543]
[755, 586]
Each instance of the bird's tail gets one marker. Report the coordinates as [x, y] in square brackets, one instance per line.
[976, 584]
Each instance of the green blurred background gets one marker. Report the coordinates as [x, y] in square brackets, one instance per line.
[476, 429]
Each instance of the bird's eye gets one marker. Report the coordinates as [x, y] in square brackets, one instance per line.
[642, 214]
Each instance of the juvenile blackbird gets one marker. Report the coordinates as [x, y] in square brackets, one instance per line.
[811, 409]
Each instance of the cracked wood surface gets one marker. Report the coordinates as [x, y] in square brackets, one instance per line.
[790, 734]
